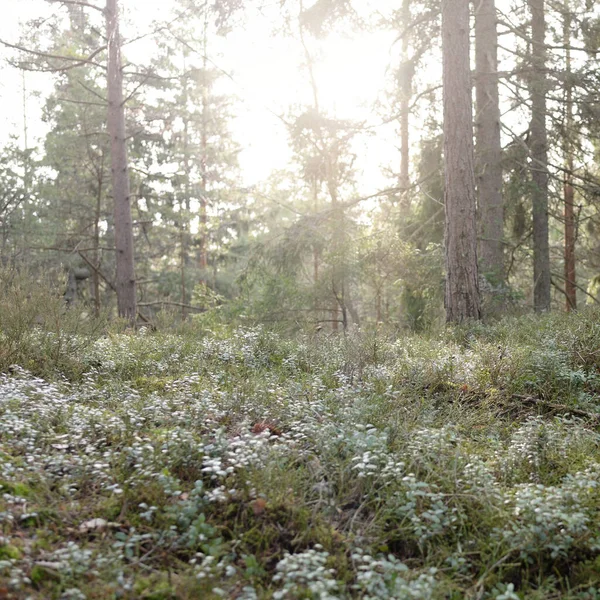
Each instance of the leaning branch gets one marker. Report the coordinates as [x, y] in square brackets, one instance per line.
[559, 408]
[169, 303]
[581, 289]
[110, 284]
[76, 61]
[78, 3]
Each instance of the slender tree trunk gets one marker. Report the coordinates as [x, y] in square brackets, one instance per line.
[316, 259]
[26, 165]
[185, 203]
[182, 263]
[539, 160]
[406, 76]
[96, 255]
[125, 281]
[488, 145]
[570, 272]
[378, 286]
[203, 258]
[462, 286]
[569, 190]
[339, 279]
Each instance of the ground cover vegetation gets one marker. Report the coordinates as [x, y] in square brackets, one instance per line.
[233, 462]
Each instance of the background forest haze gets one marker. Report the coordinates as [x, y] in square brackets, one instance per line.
[285, 159]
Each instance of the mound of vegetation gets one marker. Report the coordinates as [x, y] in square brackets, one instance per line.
[244, 465]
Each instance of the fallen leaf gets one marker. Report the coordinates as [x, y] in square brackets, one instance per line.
[262, 426]
[259, 506]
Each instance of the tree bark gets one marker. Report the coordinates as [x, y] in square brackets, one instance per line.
[539, 160]
[462, 286]
[488, 145]
[125, 280]
[569, 190]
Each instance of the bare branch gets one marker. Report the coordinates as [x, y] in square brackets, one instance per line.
[78, 3]
[77, 61]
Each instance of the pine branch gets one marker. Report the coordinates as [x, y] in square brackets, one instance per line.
[77, 61]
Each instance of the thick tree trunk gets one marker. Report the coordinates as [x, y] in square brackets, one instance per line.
[539, 160]
[569, 190]
[488, 145]
[462, 286]
[125, 281]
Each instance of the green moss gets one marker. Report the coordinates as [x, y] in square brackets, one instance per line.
[109, 508]
[10, 553]
[155, 587]
[41, 517]
[42, 576]
[16, 489]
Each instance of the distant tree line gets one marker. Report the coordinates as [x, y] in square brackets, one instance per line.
[137, 190]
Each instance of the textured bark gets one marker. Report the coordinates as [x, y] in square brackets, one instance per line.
[462, 287]
[125, 281]
[569, 190]
[488, 145]
[539, 159]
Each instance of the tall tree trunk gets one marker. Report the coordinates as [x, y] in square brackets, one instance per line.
[203, 225]
[406, 75]
[96, 242]
[316, 258]
[185, 203]
[569, 190]
[539, 159]
[26, 165]
[488, 145]
[125, 281]
[462, 286]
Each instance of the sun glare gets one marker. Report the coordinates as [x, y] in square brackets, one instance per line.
[264, 72]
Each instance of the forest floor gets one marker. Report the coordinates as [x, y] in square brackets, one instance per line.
[245, 465]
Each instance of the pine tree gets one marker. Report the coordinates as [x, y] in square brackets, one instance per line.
[488, 146]
[125, 283]
[462, 286]
[539, 158]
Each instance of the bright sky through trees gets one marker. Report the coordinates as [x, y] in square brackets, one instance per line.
[265, 77]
